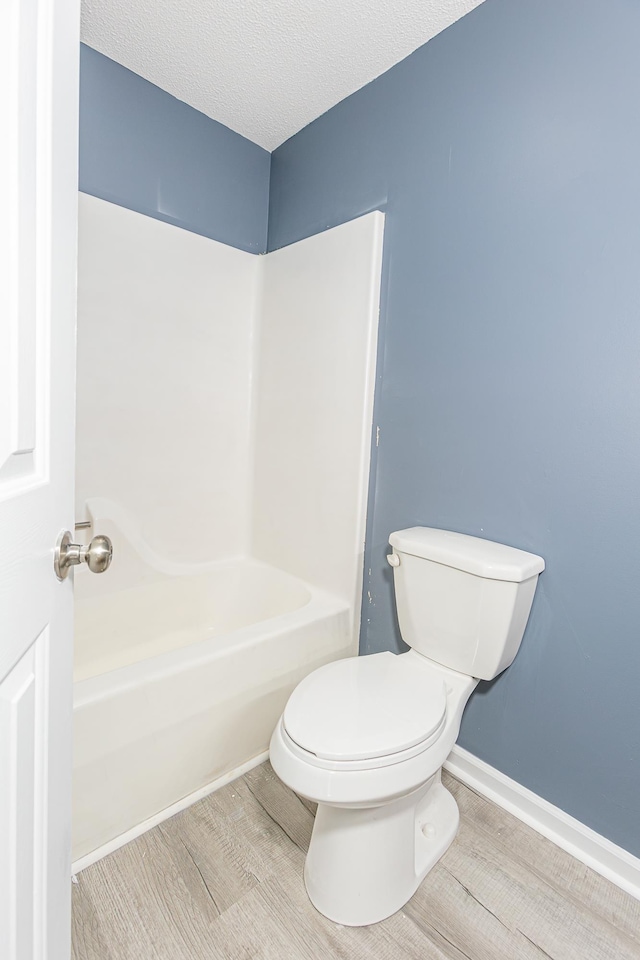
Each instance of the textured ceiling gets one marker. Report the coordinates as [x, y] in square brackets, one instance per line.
[265, 68]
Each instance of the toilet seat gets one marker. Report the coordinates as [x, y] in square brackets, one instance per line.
[365, 783]
[346, 766]
[366, 712]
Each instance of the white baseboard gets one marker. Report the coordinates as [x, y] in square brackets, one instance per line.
[603, 856]
[141, 828]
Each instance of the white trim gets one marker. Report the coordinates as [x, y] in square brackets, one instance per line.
[610, 861]
[157, 818]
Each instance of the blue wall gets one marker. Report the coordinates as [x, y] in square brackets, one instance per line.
[506, 153]
[143, 149]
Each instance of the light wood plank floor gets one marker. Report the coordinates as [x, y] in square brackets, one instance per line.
[223, 881]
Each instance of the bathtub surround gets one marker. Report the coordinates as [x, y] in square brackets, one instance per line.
[318, 300]
[165, 343]
[222, 360]
[203, 362]
[143, 149]
[507, 151]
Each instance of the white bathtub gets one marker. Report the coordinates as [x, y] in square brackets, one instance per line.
[181, 675]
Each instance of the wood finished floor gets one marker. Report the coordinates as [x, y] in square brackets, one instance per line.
[223, 881]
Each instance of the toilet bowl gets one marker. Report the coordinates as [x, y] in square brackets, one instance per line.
[366, 737]
[378, 817]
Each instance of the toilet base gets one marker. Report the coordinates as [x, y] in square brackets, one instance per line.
[364, 863]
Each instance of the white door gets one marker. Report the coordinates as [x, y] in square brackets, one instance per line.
[39, 49]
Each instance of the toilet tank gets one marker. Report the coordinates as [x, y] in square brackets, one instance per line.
[462, 601]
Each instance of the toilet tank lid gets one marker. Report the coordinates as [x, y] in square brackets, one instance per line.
[484, 558]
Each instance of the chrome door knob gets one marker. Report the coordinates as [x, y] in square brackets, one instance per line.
[97, 554]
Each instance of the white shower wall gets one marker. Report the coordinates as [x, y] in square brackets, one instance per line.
[314, 404]
[165, 342]
[225, 399]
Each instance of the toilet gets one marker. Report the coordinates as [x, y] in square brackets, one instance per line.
[366, 737]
